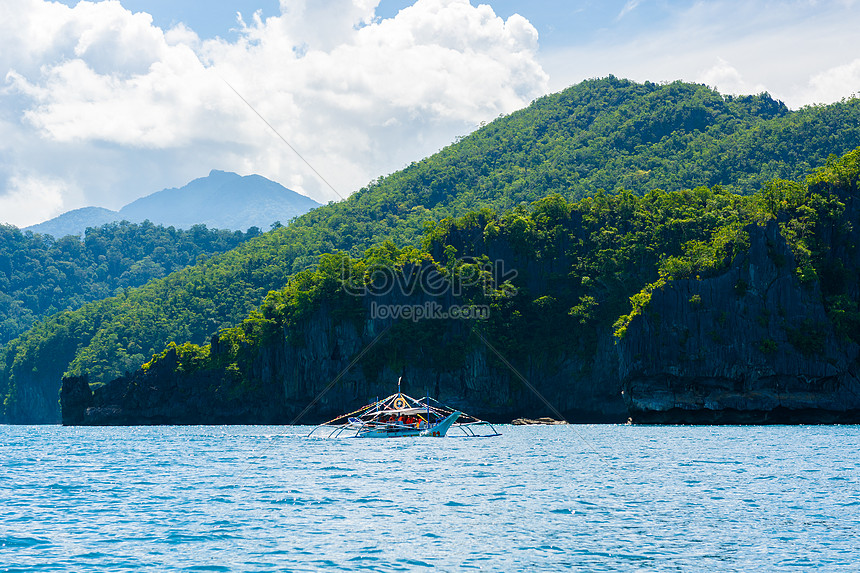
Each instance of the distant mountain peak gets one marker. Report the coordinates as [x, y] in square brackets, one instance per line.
[75, 222]
[221, 200]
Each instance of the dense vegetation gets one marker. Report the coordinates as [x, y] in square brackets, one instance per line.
[616, 250]
[606, 134]
[40, 275]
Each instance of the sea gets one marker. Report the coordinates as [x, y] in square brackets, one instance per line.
[536, 498]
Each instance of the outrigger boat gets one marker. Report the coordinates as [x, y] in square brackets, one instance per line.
[400, 416]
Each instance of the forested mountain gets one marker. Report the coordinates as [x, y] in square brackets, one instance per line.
[701, 305]
[75, 222]
[608, 133]
[40, 275]
[221, 200]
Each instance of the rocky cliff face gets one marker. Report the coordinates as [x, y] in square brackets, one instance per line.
[163, 395]
[752, 345]
[477, 383]
[293, 378]
[35, 401]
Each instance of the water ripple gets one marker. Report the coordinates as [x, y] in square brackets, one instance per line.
[267, 499]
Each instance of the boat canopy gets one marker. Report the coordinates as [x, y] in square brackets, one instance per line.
[405, 411]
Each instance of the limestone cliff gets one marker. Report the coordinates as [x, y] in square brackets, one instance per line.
[752, 345]
[164, 395]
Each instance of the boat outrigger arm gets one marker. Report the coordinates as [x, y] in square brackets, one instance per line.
[400, 416]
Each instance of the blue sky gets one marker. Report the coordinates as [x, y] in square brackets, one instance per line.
[104, 102]
[556, 20]
[559, 22]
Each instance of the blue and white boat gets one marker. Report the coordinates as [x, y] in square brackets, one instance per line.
[401, 416]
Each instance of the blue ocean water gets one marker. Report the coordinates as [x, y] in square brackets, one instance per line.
[592, 498]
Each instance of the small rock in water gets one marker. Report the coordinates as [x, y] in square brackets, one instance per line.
[537, 422]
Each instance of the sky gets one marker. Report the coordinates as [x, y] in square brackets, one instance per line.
[105, 102]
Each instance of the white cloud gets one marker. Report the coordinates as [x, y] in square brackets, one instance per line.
[835, 83]
[728, 80]
[111, 39]
[358, 97]
[31, 199]
[628, 7]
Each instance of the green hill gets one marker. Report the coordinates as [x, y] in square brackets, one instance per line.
[41, 275]
[601, 134]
